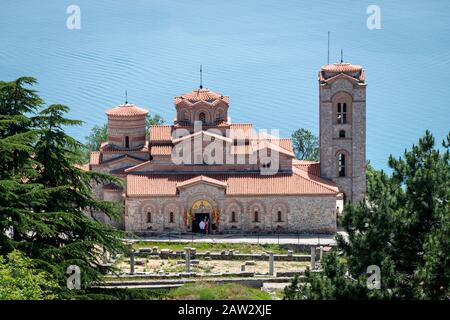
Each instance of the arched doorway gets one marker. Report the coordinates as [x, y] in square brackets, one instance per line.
[201, 211]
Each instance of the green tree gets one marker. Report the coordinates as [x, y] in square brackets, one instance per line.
[98, 135]
[154, 120]
[403, 227]
[305, 145]
[19, 280]
[45, 200]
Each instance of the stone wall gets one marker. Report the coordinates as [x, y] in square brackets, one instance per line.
[305, 214]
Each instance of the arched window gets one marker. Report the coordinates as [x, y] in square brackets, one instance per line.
[341, 165]
[202, 117]
[149, 217]
[342, 113]
[171, 219]
[279, 216]
[233, 216]
[127, 142]
[219, 116]
[256, 216]
[342, 134]
[185, 117]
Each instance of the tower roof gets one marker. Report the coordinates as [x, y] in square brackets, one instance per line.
[331, 70]
[202, 94]
[125, 111]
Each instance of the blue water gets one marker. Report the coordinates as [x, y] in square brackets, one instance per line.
[264, 54]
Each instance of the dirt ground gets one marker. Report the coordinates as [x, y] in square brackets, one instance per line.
[213, 266]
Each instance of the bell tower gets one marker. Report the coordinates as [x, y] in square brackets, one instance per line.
[342, 113]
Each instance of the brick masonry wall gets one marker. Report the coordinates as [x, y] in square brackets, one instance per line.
[354, 184]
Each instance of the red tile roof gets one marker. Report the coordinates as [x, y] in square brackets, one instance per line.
[310, 167]
[201, 95]
[297, 183]
[160, 133]
[161, 150]
[341, 68]
[201, 179]
[109, 148]
[125, 111]
[241, 131]
[207, 133]
[330, 71]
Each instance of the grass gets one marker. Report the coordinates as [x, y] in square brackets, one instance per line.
[211, 291]
[189, 291]
[203, 246]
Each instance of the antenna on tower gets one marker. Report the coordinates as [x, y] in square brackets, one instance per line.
[328, 60]
[342, 55]
[201, 77]
[126, 97]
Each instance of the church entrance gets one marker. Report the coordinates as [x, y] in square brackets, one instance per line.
[201, 222]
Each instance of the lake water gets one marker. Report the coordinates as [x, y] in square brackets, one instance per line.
[264, 54]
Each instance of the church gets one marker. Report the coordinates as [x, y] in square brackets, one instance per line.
[203, 173]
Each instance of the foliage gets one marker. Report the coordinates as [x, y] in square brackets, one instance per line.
[155, 120]
[208, 246]
[305, 145]
[45, 200]
[118, 294]
[211, 291]
[403, 227]
[20, 281]
[95, 138]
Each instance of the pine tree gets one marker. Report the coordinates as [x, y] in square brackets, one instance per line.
[44, 198]
[403, 227]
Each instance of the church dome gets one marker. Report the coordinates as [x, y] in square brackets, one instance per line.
[126, 111]
[202, 94]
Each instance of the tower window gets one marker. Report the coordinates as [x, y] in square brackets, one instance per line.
[171, 219]
[127, 142]
[149, 217]
[185, 117]
[256, 216]
[342, 113]
[341, 165]
[342, 134]
[233, 216]
[202, 117]
[279, 216]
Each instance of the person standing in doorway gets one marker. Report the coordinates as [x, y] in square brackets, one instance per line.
[206, 225]
[201, 225]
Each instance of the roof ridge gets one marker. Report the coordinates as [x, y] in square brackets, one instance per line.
[319, 181]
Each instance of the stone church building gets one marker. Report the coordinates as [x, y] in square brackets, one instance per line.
[204, 168]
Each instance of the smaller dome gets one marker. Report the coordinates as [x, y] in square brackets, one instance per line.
[203, 94]
[125, 111]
